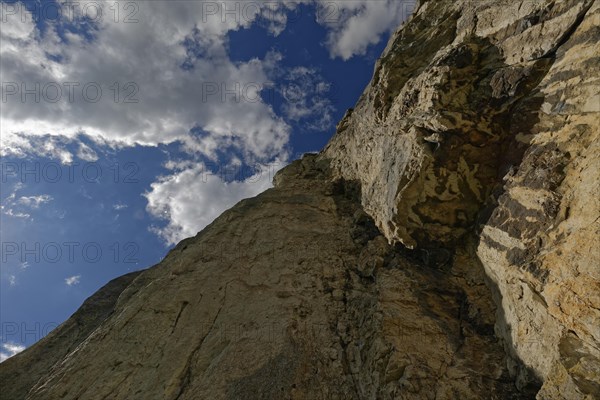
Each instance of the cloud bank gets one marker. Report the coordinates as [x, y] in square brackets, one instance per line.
[157, 72]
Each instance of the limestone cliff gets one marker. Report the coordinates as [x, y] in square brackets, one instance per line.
[444, 245]
[482, 119]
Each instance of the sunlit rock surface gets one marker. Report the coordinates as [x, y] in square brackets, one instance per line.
[444, 245]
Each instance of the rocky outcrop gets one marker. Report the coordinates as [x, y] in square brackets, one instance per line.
[444, 245]
[292, 294]
[541, 245]
[19, 374]
[484, 119]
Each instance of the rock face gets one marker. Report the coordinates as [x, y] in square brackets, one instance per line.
[293, 294]
[444, 245]
[482, 118]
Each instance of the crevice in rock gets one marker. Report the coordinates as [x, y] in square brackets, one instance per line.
[184, 304]
[572, 29]
[187, 370]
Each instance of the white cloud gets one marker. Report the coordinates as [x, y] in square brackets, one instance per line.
[163, 79]
[141, 62]
[192, 198]
[119, 206]
[10, 349]
[20, 144]
[145, 63]
[12, 280]
[354, 25]
[73, 280]
[19, 207]
[306, 94]
[16, 214]
[86, 153]
[34, 201]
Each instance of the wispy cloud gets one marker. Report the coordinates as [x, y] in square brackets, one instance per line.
[34, 201]
[307, 97]
[10, 349]
[73, 280]
[16, 214]
[20, 207]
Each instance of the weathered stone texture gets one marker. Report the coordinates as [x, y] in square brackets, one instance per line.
[293, 294]
[444, 245]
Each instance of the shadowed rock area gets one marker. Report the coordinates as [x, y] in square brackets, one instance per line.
[444, 245]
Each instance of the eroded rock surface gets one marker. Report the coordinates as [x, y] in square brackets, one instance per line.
[444, 245]
[482, 120]
[292, 294]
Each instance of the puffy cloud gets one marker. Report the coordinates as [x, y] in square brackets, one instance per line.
[149, 72]
[10, 349]
[147, 82]
[192, 198]
[354, 25]
[20, 145]
[157, 72]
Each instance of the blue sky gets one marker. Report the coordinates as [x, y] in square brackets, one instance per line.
[128, 126]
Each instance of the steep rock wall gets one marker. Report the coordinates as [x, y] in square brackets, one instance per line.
[471, 158]
[482, 119]
[293, 294]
